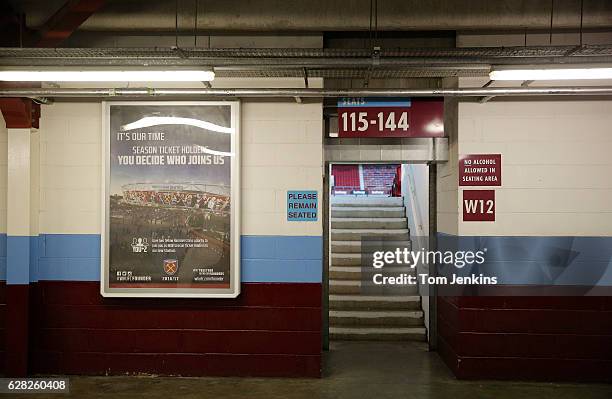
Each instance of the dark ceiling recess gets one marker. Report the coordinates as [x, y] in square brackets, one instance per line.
[66, 20]
[390, 40]
[12, 26]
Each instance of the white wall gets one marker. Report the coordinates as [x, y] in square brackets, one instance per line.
[415, 190]
[70, 168]
[281, 150]
[3, 173]
[556, 165]
[447, 173]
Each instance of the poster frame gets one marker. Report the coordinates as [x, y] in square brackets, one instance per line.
[235, 169]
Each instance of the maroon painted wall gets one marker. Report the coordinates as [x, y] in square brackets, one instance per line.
[2, 325]
[538, 338]
[271, 329]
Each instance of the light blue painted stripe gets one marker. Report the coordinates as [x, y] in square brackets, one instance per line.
[282, 247]
[274, 259]
[76, 257]
[2, 245]
[70, 245]
[69, 257]
[374, 102]
[536, 260]
[18, 259]
[34, 258]
[281, 271]
[2, 256]
[299, 247]
[69, 269]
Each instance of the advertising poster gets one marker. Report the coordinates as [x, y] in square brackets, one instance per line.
[171, 194]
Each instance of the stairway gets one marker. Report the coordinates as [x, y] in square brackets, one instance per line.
[354, 315]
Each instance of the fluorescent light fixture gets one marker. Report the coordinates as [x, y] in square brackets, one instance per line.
[551, 74]
[149, 121]
[107, 76]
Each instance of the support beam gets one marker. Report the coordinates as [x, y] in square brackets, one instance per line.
[66, 20]
[18, 241]
[20, 112]
[20, 117]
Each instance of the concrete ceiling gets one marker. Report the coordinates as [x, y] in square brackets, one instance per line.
[329, 15]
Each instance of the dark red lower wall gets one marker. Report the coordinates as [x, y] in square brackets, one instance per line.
[2, 325]
[537, 338]
[271, 329]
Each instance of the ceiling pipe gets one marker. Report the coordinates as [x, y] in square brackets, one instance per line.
[303, 93]
[323, 16]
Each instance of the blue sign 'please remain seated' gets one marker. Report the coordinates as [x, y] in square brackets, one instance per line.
[302, 206]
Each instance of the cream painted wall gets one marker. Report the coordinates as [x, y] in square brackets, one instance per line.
[447, 172]
[70, 168]
[281, 149]
[3, 173]
[556, 165]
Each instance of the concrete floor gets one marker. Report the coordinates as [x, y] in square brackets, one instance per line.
[353, 370]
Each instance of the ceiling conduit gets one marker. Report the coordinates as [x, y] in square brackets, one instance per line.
[303, 93]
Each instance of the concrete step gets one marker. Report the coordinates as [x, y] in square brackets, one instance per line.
[350, 201]
[358, 234]
[378, 333]
[344, 273]
[340, 287]
[377, 318]
[368, 223]
[346, 246]
[355, 246]
[345, 259]
[368, 211]
[354, 260]
[355, 273]
[371, 302]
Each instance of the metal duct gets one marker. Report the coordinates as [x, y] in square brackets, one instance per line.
[305, 93]
[303, 57]
[325, 15]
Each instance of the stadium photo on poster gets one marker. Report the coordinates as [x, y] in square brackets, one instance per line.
[171, 200]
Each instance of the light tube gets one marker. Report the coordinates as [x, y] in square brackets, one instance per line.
[551, 74]
[107, 76]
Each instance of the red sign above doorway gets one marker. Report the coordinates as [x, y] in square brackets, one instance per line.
[390, 117]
